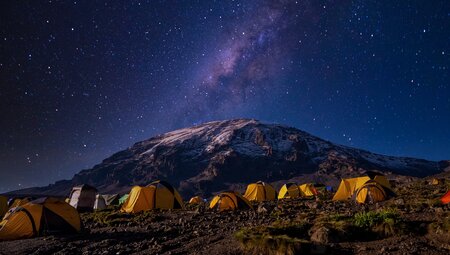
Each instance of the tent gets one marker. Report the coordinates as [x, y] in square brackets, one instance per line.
[82, 198]
[289, 190]
[437, 181]
[99, 203]
[123, 198]
[196, 200]
[348, 187]
[3, 206]
[307, 190]
[446, 198]
[40, 217]
[15, 202]
[158, 194]
[229, 200]
[260, 191]
[111, 199]
[370, 192]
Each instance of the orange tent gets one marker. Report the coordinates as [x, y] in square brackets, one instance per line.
[446, 198]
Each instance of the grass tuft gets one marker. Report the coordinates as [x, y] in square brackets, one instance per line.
[279, 238]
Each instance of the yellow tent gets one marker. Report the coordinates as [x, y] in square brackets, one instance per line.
[16, 203]
[19, 201]
[229, 200]
[40, 217]
[260, 191]
[3, 206]
[307, 190]
[348, 187]
[289, 190]
[196, 200]
[370, 192]
[436, 181]
[383, 181]
[158, 194]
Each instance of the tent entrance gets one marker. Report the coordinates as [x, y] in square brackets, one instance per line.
[53, 223]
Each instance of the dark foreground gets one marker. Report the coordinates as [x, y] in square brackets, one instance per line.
[412, 223]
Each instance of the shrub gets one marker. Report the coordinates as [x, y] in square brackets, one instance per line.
[370, 219]
[382, 223]
[279, 238]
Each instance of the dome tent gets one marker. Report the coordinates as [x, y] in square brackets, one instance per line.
[260, 191]
[308, 190]
[82, 198]
[123, 198]
[368, 187]
[40, 217]
[289, 190]
[229, 200]
[14, 203]
[196, 200]
[370, 192]
[100, 203]
[158, 194]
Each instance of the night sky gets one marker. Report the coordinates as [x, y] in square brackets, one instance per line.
[81, 80]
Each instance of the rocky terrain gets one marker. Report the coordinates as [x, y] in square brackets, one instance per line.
[227, 154]
[414, 222]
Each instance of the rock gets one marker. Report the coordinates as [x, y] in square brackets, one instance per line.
[263, 209]
[321, 235]
[439, 210]
[312, 204]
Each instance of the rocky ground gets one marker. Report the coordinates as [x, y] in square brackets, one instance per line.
[414, 222]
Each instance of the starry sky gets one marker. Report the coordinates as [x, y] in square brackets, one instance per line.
[80, 80]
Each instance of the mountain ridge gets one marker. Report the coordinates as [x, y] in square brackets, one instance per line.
[219, 155]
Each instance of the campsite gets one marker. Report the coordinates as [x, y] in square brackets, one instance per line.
[224, 127]
[415, 219]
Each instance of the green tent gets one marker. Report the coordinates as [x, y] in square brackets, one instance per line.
[123, 199]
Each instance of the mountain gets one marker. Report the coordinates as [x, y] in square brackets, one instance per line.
[227, 154]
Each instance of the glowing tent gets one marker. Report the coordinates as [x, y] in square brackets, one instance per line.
[365, 189]
[307, 190]
[370, 192]
[229, 200]
[158, 194]
[40, 217]
[289, 190]
[196, 200]
[446, 198]
[260, 191]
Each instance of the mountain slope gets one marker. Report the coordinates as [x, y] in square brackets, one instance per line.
[219, 155]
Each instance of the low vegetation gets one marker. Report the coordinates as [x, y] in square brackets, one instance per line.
[278, 238]
[382, 223]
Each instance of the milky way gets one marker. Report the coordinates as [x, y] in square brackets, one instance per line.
[249, 56]
[81, 80]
